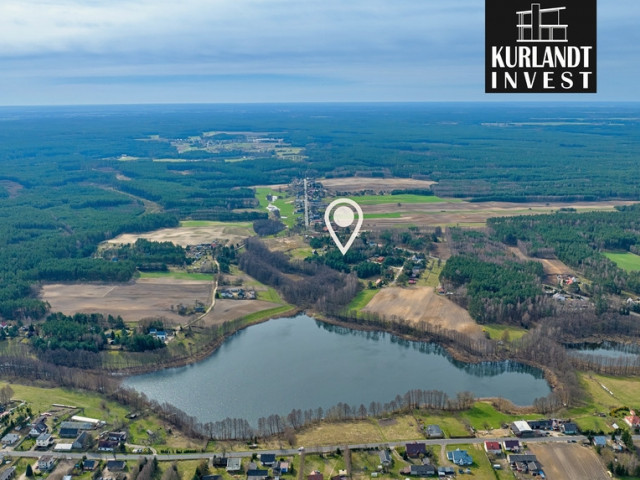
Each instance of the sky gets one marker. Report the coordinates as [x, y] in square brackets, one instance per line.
[56, 52]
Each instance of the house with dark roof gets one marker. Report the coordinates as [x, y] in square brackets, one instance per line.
[83, 441]
[268, 459]
[117, 436]
[444, 471]
[544, 424]
[219, 462]
[37, 429]
[414, 450]
[511, 446]
[89, 465]
[68, 432]
[116, 465]
[315, 476]
[569, 428]
[422, 470]
[434, 431]
[107, 445]
[521, 457]
[257, 474]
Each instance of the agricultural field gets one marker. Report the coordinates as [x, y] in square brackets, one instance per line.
[133, 301]
[284, 202]
[361, 184]
[418, 304]
[569, 461]
[384, 212]
[627, 261]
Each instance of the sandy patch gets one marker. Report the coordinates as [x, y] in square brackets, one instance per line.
[189, 235]
[418, 304]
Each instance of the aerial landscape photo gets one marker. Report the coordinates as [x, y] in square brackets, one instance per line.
[261, 240]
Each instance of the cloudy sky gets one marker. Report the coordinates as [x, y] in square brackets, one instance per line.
[184, 51]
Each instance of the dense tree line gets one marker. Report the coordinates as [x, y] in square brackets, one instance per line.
[148, 255]
[316, 285]
[264, 227]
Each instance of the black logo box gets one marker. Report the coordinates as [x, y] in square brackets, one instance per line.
[501, 30]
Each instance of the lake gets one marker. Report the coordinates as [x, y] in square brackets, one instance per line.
[607, 350]
[302, 363]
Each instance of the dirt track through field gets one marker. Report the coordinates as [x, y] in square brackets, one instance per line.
[417, 304]
[569, 461]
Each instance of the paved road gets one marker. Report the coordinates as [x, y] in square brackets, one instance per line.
[290, 451]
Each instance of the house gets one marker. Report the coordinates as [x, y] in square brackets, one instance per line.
[511, 446]
[77, 425]
[544, 424]
[422, 470]
[44, 441]
[268, 459]
[569, 428]
[68, 432]
[520, 428]
[414, 450]
[385, 457]
[521, 458]
[600, 441]
[89, 465]
[316, 475]
[10, 438]
[234, 464]
[446, 471]
[45, 463]
[281, 467]
[8, 473]
[633, 421]
[83, 441]
[460, 457]
[107, 445]
[493, 448]
[434, 431]
[37, 429]
[116, 465]
[219, 462]
[117, 436]
[257, 474]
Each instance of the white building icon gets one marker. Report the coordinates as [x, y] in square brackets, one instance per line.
[541, 25]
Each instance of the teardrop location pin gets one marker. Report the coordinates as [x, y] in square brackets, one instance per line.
[343, 217]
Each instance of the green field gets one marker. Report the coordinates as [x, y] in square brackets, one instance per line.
[404, 198]
[362, 299]
[496, 331]
[627, 261]
[371, 216]
[205, 277]
[284, 203]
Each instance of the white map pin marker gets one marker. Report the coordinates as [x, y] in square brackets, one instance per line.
[343, 217]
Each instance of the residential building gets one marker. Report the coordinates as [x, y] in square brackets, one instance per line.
[414, 450]
[116, 465]
[83, 441]
[434, 431]
[44, 441]
[257, 474]
[68, 432]
[234, 464]
[267, 459]
[89, 465]
[493, 448]
[315, 476]
[422, 470]
[107, 445]
[569, 428]
[10, 438]
[37, 429]
[600, 441]
[8, 473]
[511, 446]
[385, 457]
[460, 457]
[219, 462]
[46, 463]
